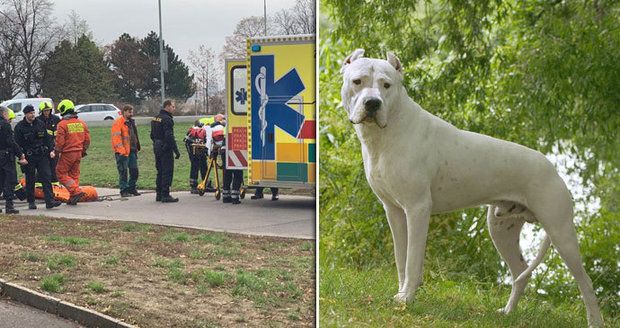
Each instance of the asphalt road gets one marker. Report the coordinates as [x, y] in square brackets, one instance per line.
[16, 315]
[291, 216]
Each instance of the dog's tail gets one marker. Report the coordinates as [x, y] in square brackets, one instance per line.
[544, 246]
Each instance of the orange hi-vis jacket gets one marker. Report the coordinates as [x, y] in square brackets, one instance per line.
[72, 135]
[121, 140]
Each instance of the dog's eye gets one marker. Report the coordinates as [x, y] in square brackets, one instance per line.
[386, 85]
[357, 81]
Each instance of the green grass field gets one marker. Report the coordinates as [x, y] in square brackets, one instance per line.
[363, 298]
[99, 167]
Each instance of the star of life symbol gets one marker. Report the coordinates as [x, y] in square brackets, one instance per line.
[271, 104]
[241, 96]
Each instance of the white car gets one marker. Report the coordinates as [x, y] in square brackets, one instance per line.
[17, 105]
[97, 112]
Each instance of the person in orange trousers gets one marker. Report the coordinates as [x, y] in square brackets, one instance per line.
[72, 141]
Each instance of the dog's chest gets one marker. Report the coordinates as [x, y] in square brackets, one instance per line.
[385, 176]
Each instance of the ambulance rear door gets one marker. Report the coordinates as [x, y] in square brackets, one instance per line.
[236, 114]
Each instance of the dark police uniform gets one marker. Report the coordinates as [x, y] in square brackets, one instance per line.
[8, 151]
[164, 146]
[50, 126]
[36, 144]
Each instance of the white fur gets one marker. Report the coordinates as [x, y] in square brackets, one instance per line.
[418, 165]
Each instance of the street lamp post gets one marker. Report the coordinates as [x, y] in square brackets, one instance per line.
[161, 58]
[207, 90]
[265, 14]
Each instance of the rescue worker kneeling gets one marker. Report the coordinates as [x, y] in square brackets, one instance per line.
[72, 141]
[31, 135]
[232, 178]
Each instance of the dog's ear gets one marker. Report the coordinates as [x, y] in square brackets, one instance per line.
[394, 61]
[356, 54]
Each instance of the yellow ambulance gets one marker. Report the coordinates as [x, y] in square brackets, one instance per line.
[271, 112]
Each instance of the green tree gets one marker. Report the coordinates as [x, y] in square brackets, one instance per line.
[543, 74]
[77, 72]
[179, 83]
[130, 67]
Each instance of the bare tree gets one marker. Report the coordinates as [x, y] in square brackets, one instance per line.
[76, 26]
[9, 65]
[34, 31]
[305, 16]
[299, 19]
[284, 22]
[235, 45]
[206, 75]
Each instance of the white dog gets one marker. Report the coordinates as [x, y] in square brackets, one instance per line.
[418, 165]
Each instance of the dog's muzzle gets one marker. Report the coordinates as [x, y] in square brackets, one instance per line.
[372, 105]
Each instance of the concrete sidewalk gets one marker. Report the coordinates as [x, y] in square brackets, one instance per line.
[16, 315]
[291, 216]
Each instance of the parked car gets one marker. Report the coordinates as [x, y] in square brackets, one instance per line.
[17, 105]
[97, 112]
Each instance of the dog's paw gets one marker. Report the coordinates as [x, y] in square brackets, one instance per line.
[403, 297]
[504, 310]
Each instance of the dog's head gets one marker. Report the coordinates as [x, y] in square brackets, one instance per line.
[370, 87]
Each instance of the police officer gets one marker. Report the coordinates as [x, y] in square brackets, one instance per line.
[8, 149]
[51, 121]
[164, 145]
[31, 135]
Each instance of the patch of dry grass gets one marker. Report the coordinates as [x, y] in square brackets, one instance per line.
[143, 274]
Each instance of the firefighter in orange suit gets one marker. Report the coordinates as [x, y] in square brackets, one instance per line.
[72, 141]
[126, 146]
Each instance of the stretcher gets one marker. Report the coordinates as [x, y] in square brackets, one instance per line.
[213, 164]
[61, 193]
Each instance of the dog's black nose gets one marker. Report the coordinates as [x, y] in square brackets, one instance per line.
[372, 104]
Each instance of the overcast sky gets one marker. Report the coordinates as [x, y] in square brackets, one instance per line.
[186, 23]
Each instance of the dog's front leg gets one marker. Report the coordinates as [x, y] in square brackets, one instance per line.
[418, 218]
[398, 224]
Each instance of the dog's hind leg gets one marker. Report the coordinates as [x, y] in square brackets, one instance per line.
[557, 220]
[505, 233]
[398, 224]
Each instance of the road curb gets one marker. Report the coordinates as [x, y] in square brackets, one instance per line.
[49, 304]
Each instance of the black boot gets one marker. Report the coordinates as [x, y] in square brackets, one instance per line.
[168, 199]
[9, 209]
[125, 194]
[134, 192]
[193, 184]
[235, 197]
[209, 187]
[158, 198]
[52, 203]
[274, 193]
[73, 200]
[32, 206]
[258, 195]
[226, 196]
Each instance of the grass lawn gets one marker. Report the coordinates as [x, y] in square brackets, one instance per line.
[156, 276]
[99, 167]
[363, 298]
